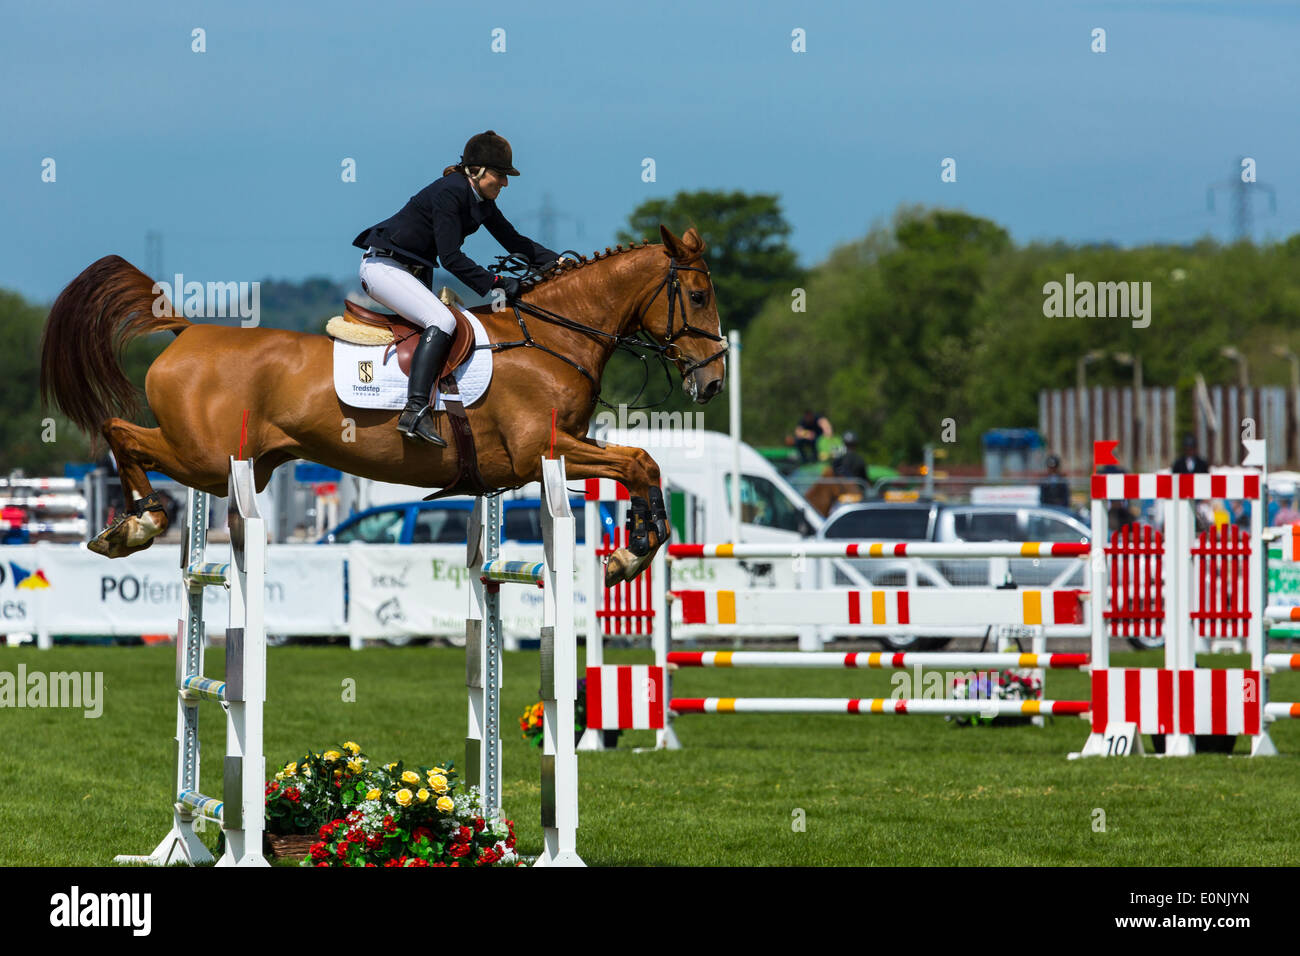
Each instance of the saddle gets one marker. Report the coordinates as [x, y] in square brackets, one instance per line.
[404, 334]
[368, 327]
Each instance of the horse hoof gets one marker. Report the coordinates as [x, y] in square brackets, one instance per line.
[623, 566]
[124, 536]
[616, 566]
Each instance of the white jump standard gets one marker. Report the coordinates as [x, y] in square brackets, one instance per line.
[241, 811]
[559, 661]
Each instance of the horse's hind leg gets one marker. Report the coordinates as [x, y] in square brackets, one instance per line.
[137, 450]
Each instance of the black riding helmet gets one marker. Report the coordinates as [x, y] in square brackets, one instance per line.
[490, 150]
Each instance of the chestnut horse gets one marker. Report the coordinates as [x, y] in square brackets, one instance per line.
[211, 377]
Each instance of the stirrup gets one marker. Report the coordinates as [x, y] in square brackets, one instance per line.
[421, 427]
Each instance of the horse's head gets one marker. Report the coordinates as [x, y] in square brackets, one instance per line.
[683, 315]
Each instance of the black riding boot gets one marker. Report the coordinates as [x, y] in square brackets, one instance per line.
[416, 420]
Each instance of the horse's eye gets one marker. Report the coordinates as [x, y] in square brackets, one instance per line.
[698, 298]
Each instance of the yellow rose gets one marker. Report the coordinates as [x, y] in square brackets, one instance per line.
[391, 767]
[410, 776]
[291, 769]
[422, 795]
[446, 804]
[438, 770]
[374, 794]
[403, 798]
[354, 766]
[352, 748]
[332, 755]
[438, 783]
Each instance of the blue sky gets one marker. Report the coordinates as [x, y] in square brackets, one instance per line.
[234, 155]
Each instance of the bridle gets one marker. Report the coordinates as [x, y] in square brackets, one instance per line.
[632, 342]
[677, 294]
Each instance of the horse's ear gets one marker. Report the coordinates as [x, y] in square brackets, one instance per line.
[693, 241]
[671, 243]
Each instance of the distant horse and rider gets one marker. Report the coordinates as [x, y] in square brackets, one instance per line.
[216, 386]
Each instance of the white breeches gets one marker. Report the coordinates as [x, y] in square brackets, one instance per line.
[390, 285]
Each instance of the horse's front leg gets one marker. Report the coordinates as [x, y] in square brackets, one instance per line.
[647, 518]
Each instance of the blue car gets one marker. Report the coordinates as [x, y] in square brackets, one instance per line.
[443, 522]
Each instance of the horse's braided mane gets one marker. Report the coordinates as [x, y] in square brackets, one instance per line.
[569, 266]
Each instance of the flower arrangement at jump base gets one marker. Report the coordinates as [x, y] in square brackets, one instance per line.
[415, 818]
[312, 791]
[334, 809]
[994, 685]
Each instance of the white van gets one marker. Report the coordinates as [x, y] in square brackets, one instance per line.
[696, 466]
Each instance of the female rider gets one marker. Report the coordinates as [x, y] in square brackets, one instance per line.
[429, 229]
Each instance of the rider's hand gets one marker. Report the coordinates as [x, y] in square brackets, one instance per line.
[509, 285]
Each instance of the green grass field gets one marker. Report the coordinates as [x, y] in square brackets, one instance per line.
[869, 790]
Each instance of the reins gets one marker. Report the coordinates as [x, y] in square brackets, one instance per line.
[631, 342]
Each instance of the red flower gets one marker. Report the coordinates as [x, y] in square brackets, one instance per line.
[318, 851]
[479, 824]
[293, 794]
[342, 851]
[464, 834]
[422, 833]
[374, 842]
[458, 849]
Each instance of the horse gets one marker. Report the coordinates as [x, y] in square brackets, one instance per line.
[217, 388]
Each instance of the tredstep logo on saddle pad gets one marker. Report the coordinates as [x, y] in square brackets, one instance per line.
[363, 379]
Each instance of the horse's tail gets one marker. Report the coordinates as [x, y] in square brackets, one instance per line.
[92, 320]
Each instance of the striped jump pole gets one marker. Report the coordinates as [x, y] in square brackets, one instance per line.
[1281, 613]
[884, 549]
[877, 705]
[240, 811]
[1282, 662]
[875, 660]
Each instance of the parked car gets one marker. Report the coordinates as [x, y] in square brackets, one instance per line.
[935, 521]
[442, 522]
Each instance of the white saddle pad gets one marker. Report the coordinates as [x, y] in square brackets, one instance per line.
[363, 380]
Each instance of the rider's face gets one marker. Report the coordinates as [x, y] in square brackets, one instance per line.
[492, 183]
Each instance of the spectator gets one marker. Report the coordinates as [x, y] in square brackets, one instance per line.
[1190, 463]
[1054, 489]
[1119, 514]
[812, 425]
[849, 464]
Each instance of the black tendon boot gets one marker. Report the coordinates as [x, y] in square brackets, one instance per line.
[416, 420]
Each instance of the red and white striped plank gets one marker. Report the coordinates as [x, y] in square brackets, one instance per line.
[884, 549]
[625, 697]
[1282, 662]
[604, 489]
[1139, 695]
[1235, 486]
[880, 606]
[874, 705]
[1222, 701]
[874, 659]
